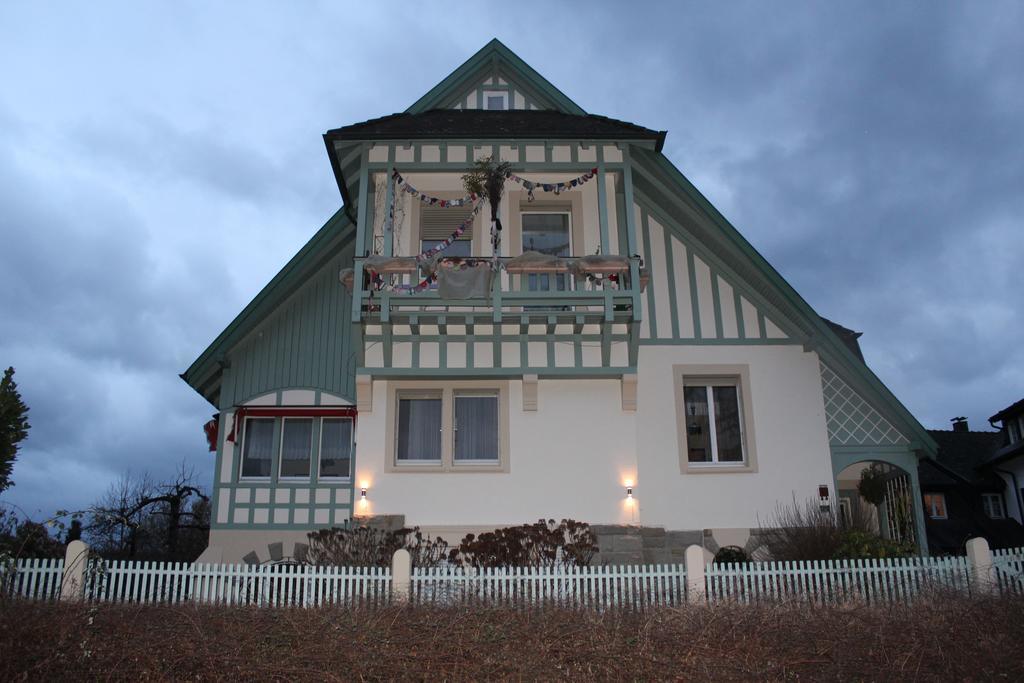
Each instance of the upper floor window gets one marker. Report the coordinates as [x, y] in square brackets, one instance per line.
[1013, 428]
[437, 224]
[418, 432]
[548, 233]
[496, 100]
[475, 426]
[935, 505]
[257, 446]
[992, 503]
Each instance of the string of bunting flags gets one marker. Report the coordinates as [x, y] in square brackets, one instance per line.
[556, 188]
[433, 201]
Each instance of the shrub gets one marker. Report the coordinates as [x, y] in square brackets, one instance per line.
[543, 544]
[731, 554]
[364, 546]
[855, 544]
[808, 532]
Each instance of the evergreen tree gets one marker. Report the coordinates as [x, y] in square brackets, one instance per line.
[13, 426]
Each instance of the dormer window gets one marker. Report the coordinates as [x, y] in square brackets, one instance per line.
[496, 100]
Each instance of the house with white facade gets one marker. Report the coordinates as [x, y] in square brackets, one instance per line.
[589, 338]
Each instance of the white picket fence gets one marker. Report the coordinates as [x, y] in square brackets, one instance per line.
[606, 587]
[636, 587]
[834, 582]
[1008, 566]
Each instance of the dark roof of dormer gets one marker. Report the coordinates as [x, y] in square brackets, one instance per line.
[479, 124]
[962, 454]
[1009, 411]
[847, 336]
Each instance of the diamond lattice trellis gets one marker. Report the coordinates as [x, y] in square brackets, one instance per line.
[851, 420]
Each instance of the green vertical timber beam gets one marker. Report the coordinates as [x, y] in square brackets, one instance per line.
[602, 201]
[389, 198]
[362, 215]
[634, 267]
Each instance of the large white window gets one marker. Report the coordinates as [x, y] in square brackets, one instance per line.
[714, 432]
[296, 447]
[335, 448]
[448, 427]
[935, 505]
[715, 418]
[992, 503]
[418, 431]
[257, 447]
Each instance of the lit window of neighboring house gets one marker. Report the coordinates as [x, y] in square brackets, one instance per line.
[935, 505]
[992, 503]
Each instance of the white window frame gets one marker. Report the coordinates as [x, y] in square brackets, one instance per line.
[447, 391]
[928, 510]
[280, 449]
[503, 94]
[709, 384]
[241, 450]
[708, 375]
[351, 453]
[986, 503]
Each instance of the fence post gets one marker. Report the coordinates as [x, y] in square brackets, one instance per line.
[76, 560]
[695, 586]
[979, 562]
[401, 575]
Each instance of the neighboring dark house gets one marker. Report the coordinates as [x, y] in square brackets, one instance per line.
[1008, 459]
[963, 497]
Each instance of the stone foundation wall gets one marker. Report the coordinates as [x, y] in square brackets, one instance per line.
[624, 544]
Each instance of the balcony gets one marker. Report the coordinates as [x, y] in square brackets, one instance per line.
[550, 317]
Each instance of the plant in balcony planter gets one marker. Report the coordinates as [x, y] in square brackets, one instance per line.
[487, 179]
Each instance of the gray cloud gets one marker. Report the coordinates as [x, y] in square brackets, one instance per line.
[158, 166]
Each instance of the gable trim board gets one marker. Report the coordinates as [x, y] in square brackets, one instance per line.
[497, 58]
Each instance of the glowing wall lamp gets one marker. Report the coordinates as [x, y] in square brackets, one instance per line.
[629, 490]
[363, 503]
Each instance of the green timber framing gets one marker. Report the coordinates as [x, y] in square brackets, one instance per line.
[648, 179]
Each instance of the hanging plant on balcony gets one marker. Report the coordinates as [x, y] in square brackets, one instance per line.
[487, 179]
[872, 484]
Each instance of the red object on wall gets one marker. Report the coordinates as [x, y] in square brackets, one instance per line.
[211, 429]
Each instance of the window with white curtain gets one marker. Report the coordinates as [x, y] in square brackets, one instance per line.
[257, 446]
[418, 434]
[296, 446]
[935, 505]
[461, 425]
[335, 448]
[476, 426]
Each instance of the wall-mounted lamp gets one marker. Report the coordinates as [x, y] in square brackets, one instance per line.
[629, 492]
[823, 497]
[362, 494]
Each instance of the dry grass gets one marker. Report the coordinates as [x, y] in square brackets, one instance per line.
[948, 640]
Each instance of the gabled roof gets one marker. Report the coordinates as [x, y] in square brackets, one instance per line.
[493, 55]
[961, 454]
[476, 124]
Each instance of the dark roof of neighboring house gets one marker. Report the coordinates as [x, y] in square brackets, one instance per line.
[1009, 411]
[959, 457]
[1008, 451]
[473, 124]
[847, 336]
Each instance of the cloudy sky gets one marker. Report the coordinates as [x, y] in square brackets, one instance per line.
[159, 162]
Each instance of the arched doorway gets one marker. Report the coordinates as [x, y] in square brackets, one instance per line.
[891, 499]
